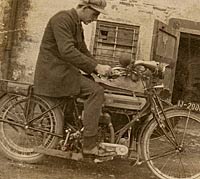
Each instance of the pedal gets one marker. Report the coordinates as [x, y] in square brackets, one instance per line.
[117, 148]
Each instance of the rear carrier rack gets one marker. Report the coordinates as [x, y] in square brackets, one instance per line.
[15, 87]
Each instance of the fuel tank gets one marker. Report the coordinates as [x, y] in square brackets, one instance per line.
[124, 101]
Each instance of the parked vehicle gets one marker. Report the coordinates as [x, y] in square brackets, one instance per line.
[140, 127]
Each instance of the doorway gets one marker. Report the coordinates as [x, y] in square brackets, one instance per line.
[187, 75]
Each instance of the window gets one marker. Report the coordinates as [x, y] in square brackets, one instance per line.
[114, 41]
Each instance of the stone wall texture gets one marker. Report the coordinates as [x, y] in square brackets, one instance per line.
[136, 12]
[4, 12]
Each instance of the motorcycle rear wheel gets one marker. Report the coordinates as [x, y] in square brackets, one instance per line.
[18, 142]
[166, 160]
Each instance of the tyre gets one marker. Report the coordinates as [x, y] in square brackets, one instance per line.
[167, 160]
[17, 139]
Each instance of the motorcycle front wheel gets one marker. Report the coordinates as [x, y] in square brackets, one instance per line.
[18, 140]
[174, 160]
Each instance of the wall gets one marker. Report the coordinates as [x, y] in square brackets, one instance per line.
[3, 6]
[137, 12]
[13, 34]
[4, 13]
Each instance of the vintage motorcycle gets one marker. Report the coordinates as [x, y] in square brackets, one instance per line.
[138, 126]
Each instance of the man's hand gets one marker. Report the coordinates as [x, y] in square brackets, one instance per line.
[103, 69]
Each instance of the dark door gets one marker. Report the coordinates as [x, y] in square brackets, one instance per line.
[165, 49]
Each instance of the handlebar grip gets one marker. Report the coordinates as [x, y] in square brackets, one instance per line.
[151, 65]
[156, 68]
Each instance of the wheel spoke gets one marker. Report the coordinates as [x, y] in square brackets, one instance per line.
[12, 116]
[186, 125]
[191, 161]
[161, 133]
[164, 154]
[165, 164]
[183, 171]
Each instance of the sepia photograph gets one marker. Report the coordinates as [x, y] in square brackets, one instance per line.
[99, 89]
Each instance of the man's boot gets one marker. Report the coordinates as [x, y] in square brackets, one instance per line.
[90, 145]
[92, 148]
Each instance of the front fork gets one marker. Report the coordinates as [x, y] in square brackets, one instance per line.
[164, 124]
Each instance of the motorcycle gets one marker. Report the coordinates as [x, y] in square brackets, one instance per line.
[142, 127]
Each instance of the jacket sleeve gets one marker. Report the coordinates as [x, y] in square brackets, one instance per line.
[84, 50]
[62, 27]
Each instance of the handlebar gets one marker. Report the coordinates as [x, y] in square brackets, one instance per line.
[151, 65]
[156, 69]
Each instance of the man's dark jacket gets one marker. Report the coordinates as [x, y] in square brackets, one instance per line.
[62, 53]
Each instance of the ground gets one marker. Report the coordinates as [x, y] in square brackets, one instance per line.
[57, 168]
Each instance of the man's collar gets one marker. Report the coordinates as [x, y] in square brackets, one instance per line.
[75, 16]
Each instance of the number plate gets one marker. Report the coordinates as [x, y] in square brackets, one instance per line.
[189, 105]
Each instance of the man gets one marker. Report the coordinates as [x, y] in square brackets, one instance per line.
[63, 53]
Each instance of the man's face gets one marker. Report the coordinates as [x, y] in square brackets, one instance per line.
[89, 15]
